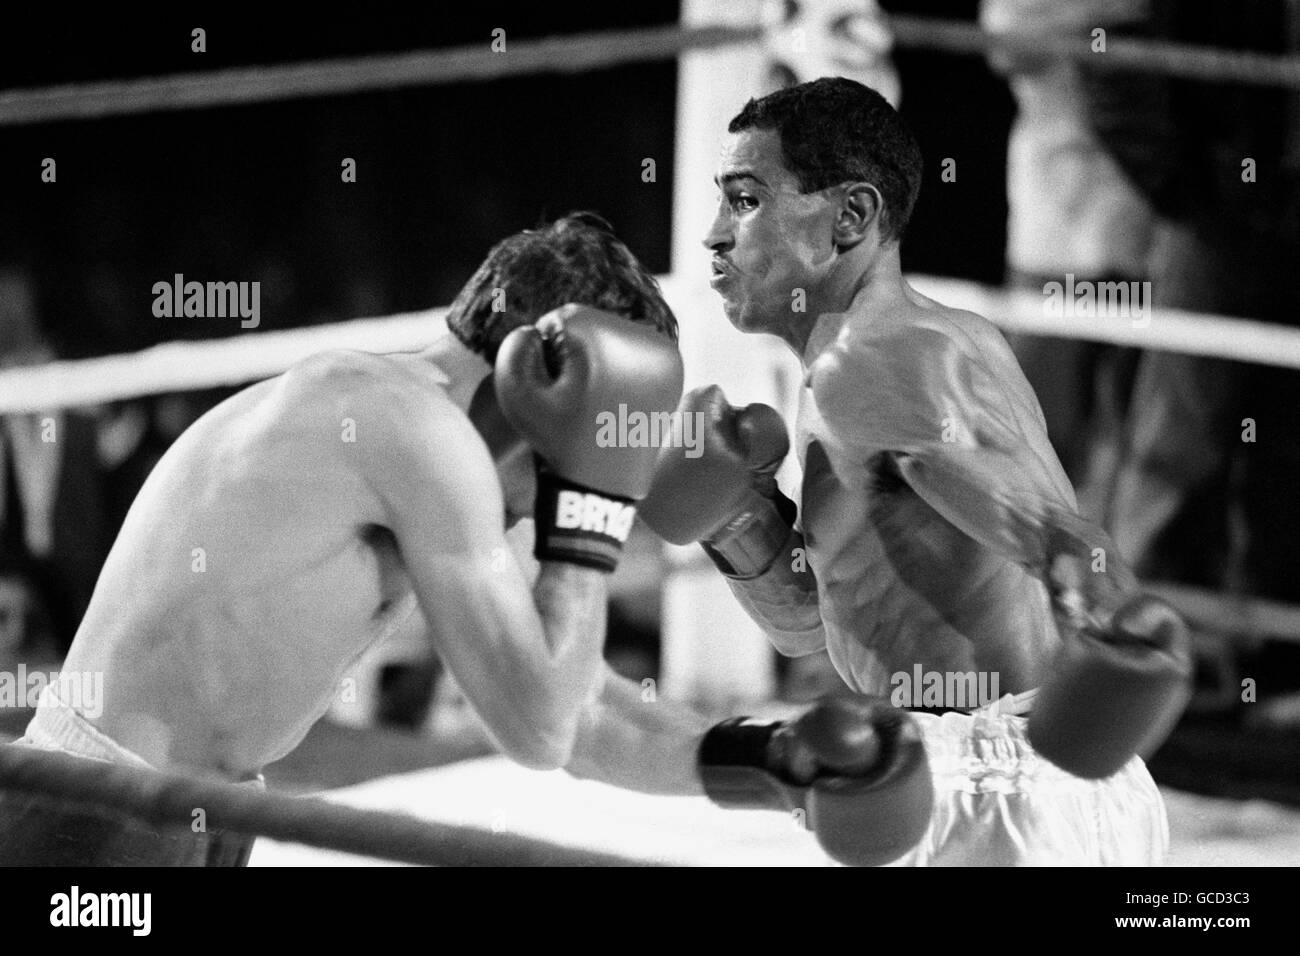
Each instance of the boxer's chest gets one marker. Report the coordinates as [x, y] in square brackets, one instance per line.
[836, 504]
[889, 568]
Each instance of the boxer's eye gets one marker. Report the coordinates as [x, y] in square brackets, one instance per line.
[742, 202]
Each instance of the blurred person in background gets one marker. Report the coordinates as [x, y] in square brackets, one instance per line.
[1071, 211]
[1203, 492]
[53, 533]
[807, 39]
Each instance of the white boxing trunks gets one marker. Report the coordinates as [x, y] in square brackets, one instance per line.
[38, 831]
[997, 803]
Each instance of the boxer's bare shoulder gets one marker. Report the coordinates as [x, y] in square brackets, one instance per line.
[384, 420]
[395, 393]
[265, 551]
[884, 385]
[347, 374]
[977, 337]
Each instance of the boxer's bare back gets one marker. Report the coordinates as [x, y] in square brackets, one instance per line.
[259, 561]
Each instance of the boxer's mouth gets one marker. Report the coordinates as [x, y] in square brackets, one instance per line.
[722, 272]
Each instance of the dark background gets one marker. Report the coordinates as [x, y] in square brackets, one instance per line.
[254, 192]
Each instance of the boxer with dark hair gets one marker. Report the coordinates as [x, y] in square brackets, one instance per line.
[936, 526]
[576, 258]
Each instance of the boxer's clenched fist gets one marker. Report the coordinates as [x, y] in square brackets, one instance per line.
[1115, 691]
[555, 378]
[856, 766]
[1123, 674]
[553, 381]
[726, 496]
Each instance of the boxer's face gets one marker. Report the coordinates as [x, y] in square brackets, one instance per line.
[772, 245]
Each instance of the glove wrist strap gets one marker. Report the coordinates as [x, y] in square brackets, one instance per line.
[579, 525]
[750, 543]
[734, 766]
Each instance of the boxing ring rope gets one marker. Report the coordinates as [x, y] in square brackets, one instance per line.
[594, 51]
[192, 365]
[170, 800]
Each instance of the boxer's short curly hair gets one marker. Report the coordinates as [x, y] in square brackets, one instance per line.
[576, 258]
[835, 130]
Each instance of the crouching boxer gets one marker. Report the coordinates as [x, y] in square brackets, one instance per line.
[312, 515]
[935, 526]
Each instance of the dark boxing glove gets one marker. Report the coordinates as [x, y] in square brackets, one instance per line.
[1116, 689]
[726, 497]
[1124, 672]
[855, 765]
[553, 382]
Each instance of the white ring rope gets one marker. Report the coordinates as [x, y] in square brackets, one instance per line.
[210, 363]
[1163, 330]
[185, 366]
[593, 51]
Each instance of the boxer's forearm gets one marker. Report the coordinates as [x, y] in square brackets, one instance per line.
[793, 628]
[783, 600]
[976, 490]
[572, 603]
[527, 660]
[630, 738]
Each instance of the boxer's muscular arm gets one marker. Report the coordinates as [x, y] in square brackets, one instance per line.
[973, 490]
[726, 497]
[633, 739]
[902, 396]
[878, 807]
[527, 662]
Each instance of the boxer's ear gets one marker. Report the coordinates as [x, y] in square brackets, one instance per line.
[860, 212]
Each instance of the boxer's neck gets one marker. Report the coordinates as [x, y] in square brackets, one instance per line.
[469, 386]
[873, 291]
[464, 369]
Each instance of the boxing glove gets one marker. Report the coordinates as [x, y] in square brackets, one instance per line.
[1115, 690]
[855, 765]
[557, 383]
[725, 494]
